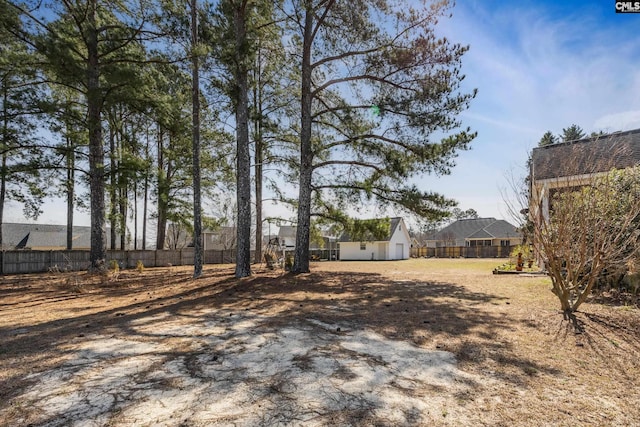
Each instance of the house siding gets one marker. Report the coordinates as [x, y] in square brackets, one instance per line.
[351, 251]
[400, 236]
[379, 250]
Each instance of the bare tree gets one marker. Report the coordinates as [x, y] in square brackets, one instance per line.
[582, 227]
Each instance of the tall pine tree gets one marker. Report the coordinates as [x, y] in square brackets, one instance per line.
[379, 106]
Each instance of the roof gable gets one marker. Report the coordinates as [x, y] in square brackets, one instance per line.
[463, 228]
[501, 229]
[477, 228]
[394, 223]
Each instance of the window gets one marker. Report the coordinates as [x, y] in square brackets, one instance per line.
[363, 246]
[505, 243]
[474, 243]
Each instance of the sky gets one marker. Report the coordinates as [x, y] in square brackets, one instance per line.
[538, 66]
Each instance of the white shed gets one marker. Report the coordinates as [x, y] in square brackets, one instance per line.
[395, 246]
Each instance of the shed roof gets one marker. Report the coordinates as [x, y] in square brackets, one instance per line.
[393, 225]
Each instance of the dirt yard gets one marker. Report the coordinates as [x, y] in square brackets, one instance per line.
[418, 342]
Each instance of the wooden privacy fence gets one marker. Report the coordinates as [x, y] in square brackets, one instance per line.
[463, 252]
[29, 261]
[17, 262]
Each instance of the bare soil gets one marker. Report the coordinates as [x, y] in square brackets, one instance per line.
[417, 342]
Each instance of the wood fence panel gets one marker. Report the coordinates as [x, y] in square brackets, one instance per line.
[34, 261]
[166, 258]
[73, 260]
[148, 258]
[466, 252]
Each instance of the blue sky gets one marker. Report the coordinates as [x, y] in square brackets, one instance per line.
[538, 66]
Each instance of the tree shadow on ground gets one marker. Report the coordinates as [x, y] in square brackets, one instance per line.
[600, 332]
[431, 315]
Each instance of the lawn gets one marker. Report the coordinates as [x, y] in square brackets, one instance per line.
[416, 342]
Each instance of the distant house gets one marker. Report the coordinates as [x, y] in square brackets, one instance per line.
[395, 245]
[222, 239]
[573, 164]
[476, 232]
[287, 237]
[44, 237]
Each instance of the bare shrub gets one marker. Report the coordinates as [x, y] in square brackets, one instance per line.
[584, 228]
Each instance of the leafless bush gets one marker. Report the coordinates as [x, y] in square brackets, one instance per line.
[584, 228]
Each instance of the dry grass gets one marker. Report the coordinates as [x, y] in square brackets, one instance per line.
[506, 330]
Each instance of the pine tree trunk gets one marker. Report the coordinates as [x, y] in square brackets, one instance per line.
[259, 159]
[70, 184]
[112, 190]
[161, 231]
[3, 167]
[135, 215]
[3, 194]
[122, 219]
[98, 252]
[258, 189]
[145, 211]
[301, 261]
[145, 203]
[195, 96]
[243, 172]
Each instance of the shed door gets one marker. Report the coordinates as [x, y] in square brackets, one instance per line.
[399, 251]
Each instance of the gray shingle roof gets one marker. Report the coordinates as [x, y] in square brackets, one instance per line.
[502, 228]
[478, 228]
[462, 228]
[44, 236]
[586, 156]
[287, 231]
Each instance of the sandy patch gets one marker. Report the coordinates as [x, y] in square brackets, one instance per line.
[233, 371]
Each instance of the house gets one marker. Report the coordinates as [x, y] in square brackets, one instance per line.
[45, 237]
[476, 232]
[287, 237]
[221, 239]
[395, 245]
[573, 164]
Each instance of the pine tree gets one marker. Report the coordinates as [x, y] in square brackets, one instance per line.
[21, 155]
[234, 49]
[351, 153]
[94, 48]
[572, 133]
[547, 139]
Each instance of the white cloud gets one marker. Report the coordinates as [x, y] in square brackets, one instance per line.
[625, 120]
[536, 70]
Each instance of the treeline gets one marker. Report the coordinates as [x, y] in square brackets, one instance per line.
[140, 110]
